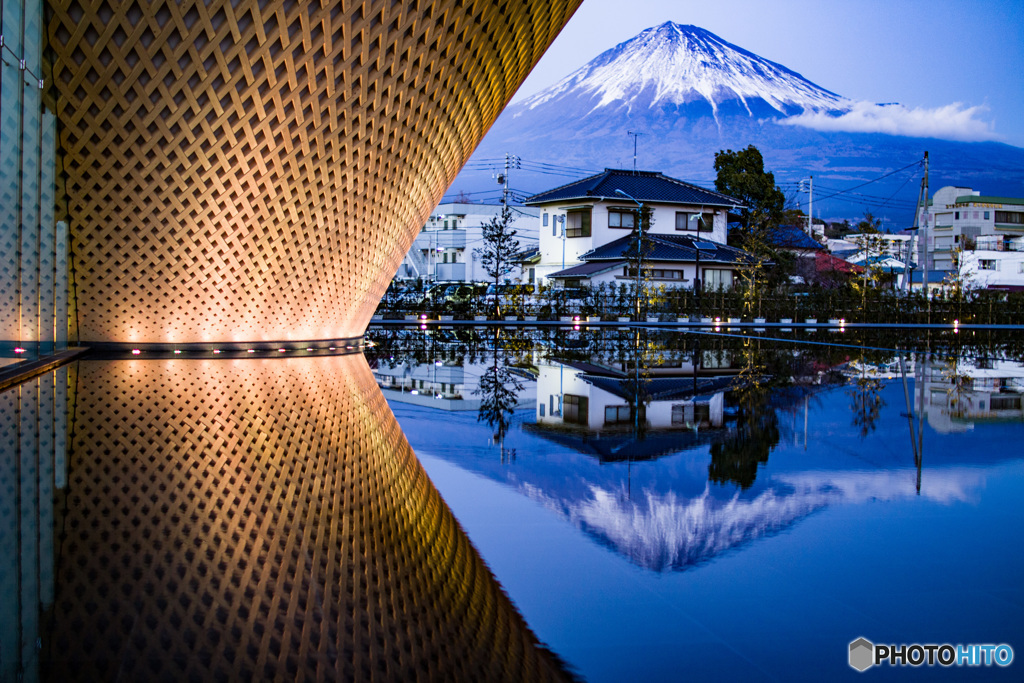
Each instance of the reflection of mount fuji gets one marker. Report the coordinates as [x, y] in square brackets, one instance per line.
[670, 532]
[663, 514]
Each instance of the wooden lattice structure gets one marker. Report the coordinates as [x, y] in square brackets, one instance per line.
[264, 520]
[256, 170]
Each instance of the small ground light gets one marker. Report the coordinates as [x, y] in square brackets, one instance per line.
[216, 350]
[250, 350]
[19, 350]
[177, 351]
[281, 350]
[309, 348]
[136, 352]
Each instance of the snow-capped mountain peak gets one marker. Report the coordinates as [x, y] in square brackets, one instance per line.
[675, 64]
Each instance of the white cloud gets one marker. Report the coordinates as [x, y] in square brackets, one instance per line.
[951, 122]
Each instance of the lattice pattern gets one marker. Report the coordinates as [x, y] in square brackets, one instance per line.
[257, 170]
[265, 520]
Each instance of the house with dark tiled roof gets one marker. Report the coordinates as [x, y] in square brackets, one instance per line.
[794, 239]
[588, 227]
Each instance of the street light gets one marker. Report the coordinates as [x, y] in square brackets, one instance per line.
[639, 253]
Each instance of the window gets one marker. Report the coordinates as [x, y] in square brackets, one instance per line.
[577, 223]
[445, 257]
[715, 359]
[661, 274]
[533, 274]
[446, 225]
[1005, 402]
[545, 220]
[695, 222]
[715, 278]
[616, 414]
[987, 264]
[622, 218]
[574, 409]
[956, 215]
[1013, 217]
[986, 215]
[685, 414]
[542, 407]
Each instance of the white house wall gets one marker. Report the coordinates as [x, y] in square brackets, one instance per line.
[663, 222]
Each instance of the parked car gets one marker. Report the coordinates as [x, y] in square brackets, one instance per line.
[507, 291]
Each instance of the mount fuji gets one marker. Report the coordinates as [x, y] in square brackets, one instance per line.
[689, 93]
[673, 66]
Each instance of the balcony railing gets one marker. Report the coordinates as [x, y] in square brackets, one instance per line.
[441, 239]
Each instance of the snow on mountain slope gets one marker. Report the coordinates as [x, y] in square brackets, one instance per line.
[678, 64]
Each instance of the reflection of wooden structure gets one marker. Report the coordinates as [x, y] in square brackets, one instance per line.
[265, 520]
[257, 170]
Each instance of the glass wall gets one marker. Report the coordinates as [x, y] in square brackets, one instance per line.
[33, 243]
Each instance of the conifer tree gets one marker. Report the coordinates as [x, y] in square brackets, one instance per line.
[500, 251]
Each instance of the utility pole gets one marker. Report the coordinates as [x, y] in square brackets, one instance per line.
[810, 204]
[919, 207]
[511, 161]
[561, 219]
[922, 235]
[634, 135]
[639, 245]
[810, 209]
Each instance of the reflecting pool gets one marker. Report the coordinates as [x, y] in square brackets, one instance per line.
[236, 520]
[717, 507]
[516, 504]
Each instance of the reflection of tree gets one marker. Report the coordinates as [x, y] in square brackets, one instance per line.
[756, 433]
[736, 459]
[499, 392]
[959, 381]
[867, 401]
[636, 383]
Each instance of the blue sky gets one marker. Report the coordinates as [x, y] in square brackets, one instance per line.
[926, 55]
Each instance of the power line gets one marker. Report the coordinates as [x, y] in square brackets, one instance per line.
[875, 180]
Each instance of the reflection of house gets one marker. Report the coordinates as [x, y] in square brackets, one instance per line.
[602, 400]
[439, 385]
[958, 394]
[588, 227]
[443, 251]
